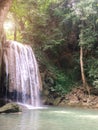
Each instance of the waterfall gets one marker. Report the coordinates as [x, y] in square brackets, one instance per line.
[21, 76]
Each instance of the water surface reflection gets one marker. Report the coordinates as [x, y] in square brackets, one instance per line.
[51, 119]
[28, 120]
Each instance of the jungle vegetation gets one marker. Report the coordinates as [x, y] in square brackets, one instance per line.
[64, 35]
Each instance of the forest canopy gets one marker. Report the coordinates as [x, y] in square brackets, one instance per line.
[64, 35]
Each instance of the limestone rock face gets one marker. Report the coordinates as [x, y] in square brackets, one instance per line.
[10, 108]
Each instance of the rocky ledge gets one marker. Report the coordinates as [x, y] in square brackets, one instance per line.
[10, 108]
[78, 97]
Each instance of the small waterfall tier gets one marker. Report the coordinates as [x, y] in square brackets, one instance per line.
[21, 76]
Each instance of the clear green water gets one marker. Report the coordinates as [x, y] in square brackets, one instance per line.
[51, 119]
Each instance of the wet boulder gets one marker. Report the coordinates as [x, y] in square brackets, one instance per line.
[10, 108]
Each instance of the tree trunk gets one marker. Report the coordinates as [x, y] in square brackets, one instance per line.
[15, 34]
[85, 85]
[82, 67]
[4, 8]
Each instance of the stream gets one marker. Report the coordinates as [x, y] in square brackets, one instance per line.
[51, 118]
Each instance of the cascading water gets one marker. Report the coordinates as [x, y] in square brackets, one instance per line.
[21, 74]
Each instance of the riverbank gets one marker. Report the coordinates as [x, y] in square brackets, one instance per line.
[78, 97]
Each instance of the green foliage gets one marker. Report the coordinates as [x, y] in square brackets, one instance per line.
[87, 11]
[18, 9]
[63, 81]
[87, 38]
[93, 70]
[54, 27]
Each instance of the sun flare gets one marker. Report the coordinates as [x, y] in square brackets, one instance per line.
[8, 25]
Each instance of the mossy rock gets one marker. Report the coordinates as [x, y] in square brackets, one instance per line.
[10, 108]
[57, 101]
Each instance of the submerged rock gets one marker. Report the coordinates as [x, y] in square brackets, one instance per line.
[10, 108]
